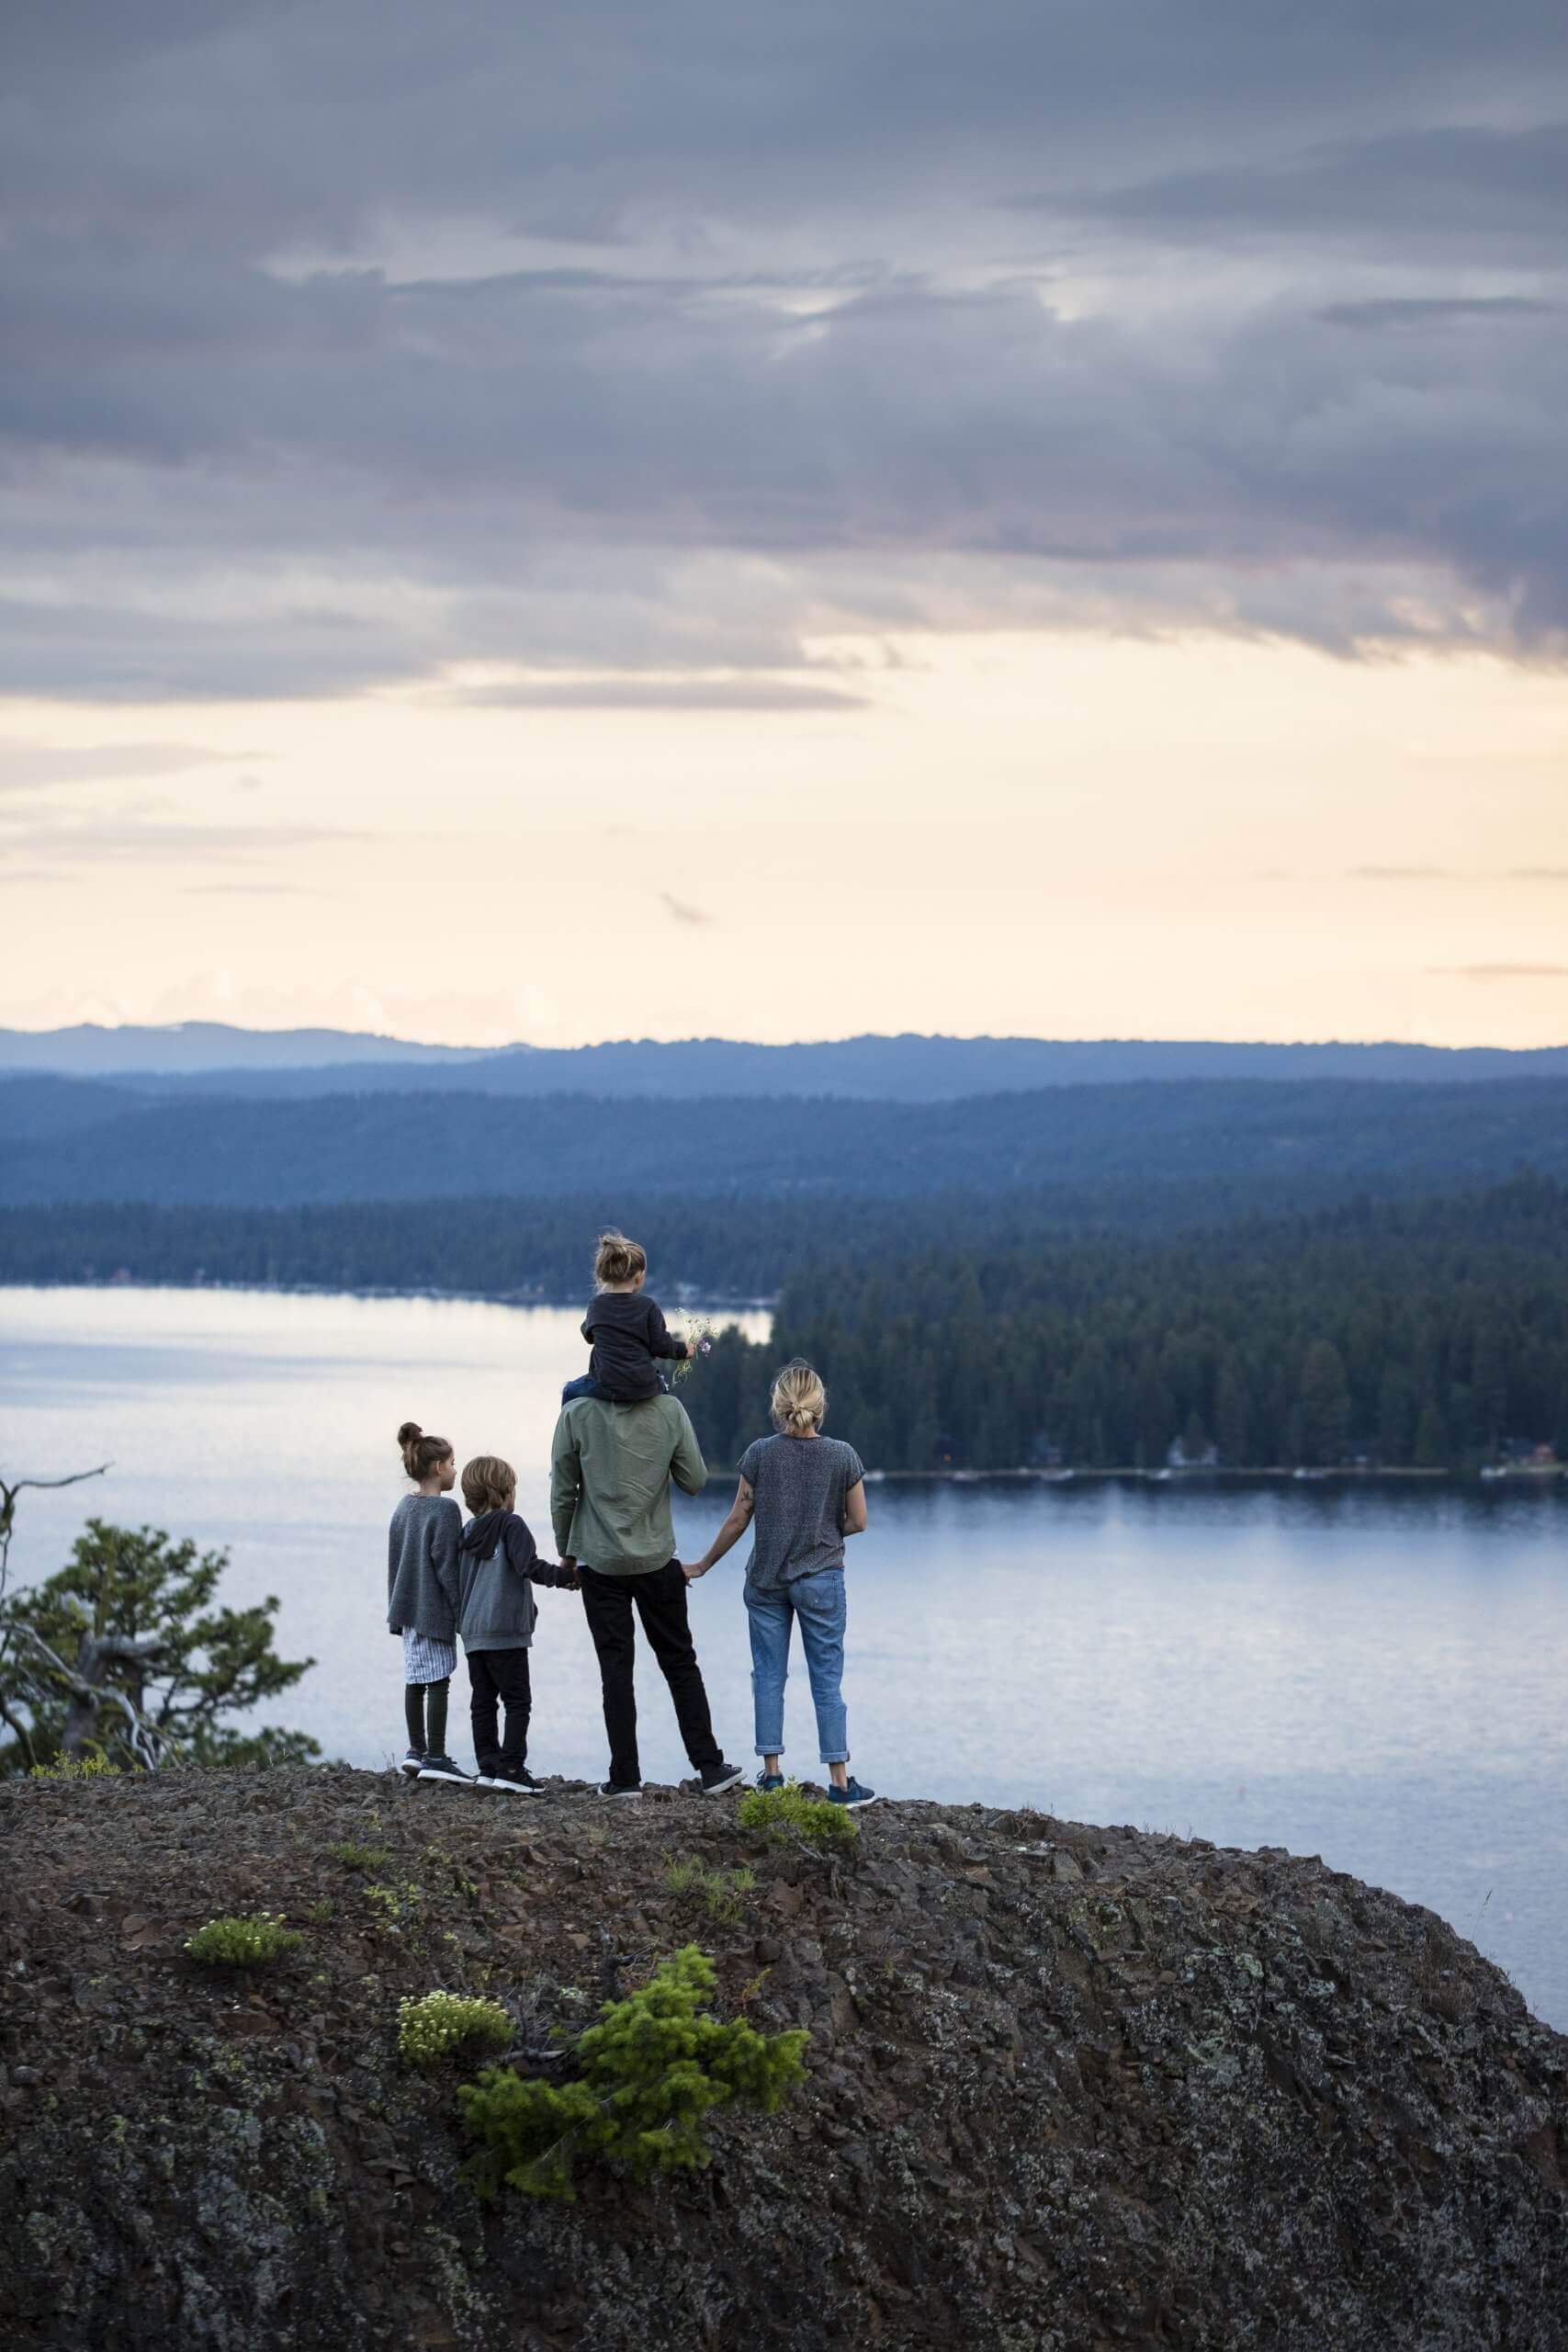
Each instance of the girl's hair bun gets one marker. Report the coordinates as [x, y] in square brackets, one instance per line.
[421, 1454]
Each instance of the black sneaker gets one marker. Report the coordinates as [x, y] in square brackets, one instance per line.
[412, 1763]
[620, 1788]
[718, 1776]
[442, 1768]
[521, 1781]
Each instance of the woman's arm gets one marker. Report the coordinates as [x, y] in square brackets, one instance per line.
[853, 1522]
[729, 1534]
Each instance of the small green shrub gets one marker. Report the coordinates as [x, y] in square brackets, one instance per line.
[243, 1943]
[320, 1913]
[722, 1892]
[358, 1858]
[650, 2070]
[76, 1768]
[437, 2022]
[788, 1814]
[393, 1904]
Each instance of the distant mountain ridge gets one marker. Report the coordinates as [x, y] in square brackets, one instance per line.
[210, 1058]
[1207, 1145]
[187, 1049]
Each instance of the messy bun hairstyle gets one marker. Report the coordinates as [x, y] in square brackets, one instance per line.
[421, 1454]
[616, 1259]
[799, 1400]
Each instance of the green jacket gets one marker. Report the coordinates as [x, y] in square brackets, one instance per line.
[610, 1472]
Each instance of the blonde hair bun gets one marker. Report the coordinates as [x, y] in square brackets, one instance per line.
[799, 1401]
[616, 1259]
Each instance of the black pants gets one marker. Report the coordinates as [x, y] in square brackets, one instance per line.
[660, 1599]
[500, 1675]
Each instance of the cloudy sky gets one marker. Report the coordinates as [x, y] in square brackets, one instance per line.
[1043, 517]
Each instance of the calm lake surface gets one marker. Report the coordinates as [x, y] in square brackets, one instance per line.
[1375, 1673]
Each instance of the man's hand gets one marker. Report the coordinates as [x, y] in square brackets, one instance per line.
[691, 1569]
[568, 1564]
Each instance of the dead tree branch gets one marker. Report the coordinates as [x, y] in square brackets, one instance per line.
[8, 1507]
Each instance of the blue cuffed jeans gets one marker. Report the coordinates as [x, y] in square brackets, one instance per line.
[819, 1602]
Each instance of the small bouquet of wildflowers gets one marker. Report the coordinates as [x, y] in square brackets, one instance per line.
[699, 1337]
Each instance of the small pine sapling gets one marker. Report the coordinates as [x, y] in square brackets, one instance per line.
[652, 2068]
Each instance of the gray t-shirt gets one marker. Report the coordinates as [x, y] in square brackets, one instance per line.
[800, 1484]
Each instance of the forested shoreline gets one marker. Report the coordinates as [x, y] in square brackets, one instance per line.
[993, 1335]
[1427, 1335]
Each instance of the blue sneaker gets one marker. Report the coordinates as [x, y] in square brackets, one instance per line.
[412, 1764]
[852, 1796]
[767, 1782]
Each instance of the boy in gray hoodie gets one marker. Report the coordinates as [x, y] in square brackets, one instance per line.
[498, 1565]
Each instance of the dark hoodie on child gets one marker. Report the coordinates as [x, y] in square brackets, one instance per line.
[498, 1565]
[627, 1330]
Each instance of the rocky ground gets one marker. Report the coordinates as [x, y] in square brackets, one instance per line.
[1069, 2088]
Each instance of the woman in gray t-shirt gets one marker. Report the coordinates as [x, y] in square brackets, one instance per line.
[801, 1494]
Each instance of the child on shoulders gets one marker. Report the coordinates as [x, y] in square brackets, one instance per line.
[498, 1566]
[625, 1329]
[422, 1598]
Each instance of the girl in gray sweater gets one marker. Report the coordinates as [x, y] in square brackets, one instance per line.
[422, 1598]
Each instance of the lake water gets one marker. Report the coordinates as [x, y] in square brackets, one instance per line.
[1375, 1673]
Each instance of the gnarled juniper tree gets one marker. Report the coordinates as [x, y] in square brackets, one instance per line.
[123, 1654]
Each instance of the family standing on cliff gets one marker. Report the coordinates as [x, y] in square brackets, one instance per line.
[621, 1439]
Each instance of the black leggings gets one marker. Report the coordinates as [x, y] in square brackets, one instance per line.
[425, 1705]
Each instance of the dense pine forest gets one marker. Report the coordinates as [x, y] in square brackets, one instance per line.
[994, 1332]
[1426, 1335]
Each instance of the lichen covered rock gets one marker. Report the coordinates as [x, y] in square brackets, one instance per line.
[1068, 2088]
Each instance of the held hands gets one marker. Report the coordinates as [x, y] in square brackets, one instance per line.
[692, 1569]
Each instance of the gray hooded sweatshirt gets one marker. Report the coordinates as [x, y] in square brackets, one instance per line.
[498, 1567]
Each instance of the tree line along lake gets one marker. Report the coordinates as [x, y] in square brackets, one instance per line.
[1369, 1670]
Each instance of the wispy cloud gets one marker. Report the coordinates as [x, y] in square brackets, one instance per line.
[1413, 315]
[249, 891]
[633, 694]
[680, 910]
[1500, 971]
[131, 842]
[24, 765]
[1482, 876]
[1400, 874]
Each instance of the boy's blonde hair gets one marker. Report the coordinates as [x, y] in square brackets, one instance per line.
[799, 1400]
[488, 1483]
[616, 1259]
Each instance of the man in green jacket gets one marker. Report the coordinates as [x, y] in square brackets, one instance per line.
[610, 1470]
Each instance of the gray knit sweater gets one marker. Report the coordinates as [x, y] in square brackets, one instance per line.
[421, 1566]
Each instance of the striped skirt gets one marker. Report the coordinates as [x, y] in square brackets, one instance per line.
[427, 1659]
